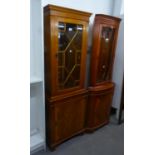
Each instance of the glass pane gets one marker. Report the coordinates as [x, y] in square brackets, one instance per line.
[69, 54]
[105, 57]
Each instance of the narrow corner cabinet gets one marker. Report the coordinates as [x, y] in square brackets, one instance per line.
[101, 89]
[65, 48]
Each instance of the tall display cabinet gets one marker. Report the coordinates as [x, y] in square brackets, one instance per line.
[65, 43]
[105, 32]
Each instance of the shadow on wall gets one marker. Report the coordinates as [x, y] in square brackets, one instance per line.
[89, 51]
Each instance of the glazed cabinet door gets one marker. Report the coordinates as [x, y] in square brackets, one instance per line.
[69, 55]
[105, 55]
[103, 52]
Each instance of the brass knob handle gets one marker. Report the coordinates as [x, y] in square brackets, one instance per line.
[103, 67]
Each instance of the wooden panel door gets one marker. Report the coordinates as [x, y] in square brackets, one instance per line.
[99, 106]
[102, 109]
[66, 119]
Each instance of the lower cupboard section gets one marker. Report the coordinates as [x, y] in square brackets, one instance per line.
[73, 115]
[65, 119]
[99, 109]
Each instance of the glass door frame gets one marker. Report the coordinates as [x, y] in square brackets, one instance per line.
[101, 25]
[83, 54]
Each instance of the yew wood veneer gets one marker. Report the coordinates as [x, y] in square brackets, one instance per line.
[65, 42]
[105, 33]
[71, 108]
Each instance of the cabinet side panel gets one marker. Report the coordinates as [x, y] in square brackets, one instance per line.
[50, 119]
[84, 55]
[47, 53]
[94, 54]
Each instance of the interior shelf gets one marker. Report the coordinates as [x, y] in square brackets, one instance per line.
[36, 141]
[35, 80]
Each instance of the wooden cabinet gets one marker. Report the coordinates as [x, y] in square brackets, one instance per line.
[70, 107]
[105, 31]
[65, 41]
[66, 118]
[100, 98]
[65, 49]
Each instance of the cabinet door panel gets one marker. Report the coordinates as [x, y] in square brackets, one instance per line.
[70, 48]
[105, 53]
[69, 118]
[102, 108]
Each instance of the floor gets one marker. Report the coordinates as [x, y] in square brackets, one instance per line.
[108, 140]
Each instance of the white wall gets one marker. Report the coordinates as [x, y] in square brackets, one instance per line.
[36, 39]
[118, 69]
[118, 7]
[99, 6]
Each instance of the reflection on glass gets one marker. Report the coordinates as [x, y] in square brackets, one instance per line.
[106, 40]
[69, 54]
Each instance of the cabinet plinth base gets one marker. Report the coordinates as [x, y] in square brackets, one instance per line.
[92, 129]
